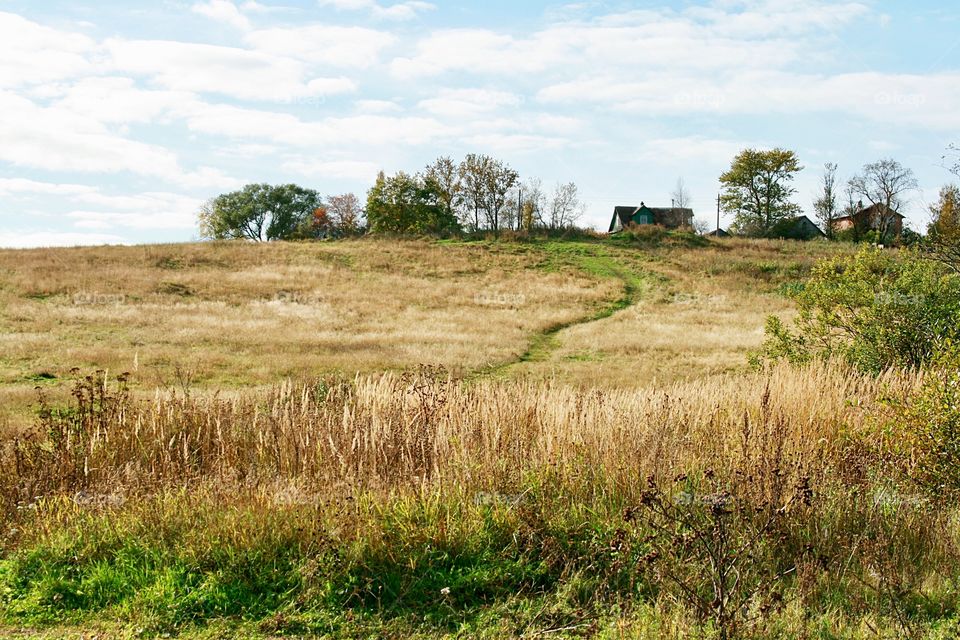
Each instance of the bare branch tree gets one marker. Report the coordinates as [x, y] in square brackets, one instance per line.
[952, 159]
[826, 203]
[565, 206]
[852, 206]
[680, 195]
[884, 183]
[346, 213]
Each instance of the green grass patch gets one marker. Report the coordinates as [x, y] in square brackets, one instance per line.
[547, 556]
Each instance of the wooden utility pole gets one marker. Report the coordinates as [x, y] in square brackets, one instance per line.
[718, 215]
[519, 208]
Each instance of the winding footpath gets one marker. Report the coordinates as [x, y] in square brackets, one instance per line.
[545, 343]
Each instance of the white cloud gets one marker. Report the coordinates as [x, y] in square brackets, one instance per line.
[179, 213]
[348, 47]
[398, 11]
[18, 186]
[467, 103]
[203, 68]
[766, 34]
[355, 170]
[223, 11]
[115, 99]
[280, 128]
[57, 139]
[149, 210]
[907, 99]
[377, 106]
[34, 54]
[515, 143]
[681, 151]
[255, 7]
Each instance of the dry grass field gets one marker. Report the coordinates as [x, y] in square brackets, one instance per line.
[696, 313]
[223, 316]
[232, 315]
[385, 438]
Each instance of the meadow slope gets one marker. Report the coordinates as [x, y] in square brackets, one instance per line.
[234, 315]
[385, 438]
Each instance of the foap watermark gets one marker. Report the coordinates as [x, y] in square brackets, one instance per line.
[93, 298]
[898, 299]
[900, 99]
[496, 299]
[711, 100]
[313, 102]
[297, 297]
[699, 301]
[890, 498]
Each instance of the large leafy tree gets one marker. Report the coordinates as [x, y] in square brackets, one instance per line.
[757, 189]
[943, 234]
[443, 177]
[473, 180]
[407, 204]
[259, 212]
[498, 180]
[945, 213]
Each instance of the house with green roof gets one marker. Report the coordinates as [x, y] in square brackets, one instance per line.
[669, 217]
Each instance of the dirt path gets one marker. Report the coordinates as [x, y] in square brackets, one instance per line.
[545, 343]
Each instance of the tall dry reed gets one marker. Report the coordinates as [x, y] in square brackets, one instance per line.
[395, 432]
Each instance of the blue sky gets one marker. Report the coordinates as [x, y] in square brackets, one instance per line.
[118, 119]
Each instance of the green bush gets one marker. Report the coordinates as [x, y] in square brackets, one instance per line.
[875, 310]
[651, 235]
[918, 438]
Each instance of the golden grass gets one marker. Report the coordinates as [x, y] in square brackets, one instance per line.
[229, 315]
[245, 314]
[393, 432]
[592, 418]
[699, 315]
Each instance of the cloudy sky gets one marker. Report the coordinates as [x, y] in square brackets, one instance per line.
[118, 118]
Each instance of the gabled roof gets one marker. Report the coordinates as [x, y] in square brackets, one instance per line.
[870, 211]
[624, 215]
[810, 224]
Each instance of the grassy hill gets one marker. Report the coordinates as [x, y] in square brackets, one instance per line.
[222, 316]
[387, 438]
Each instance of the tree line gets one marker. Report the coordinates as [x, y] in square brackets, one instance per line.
[478, 194]
[757, 190]
[484, 194]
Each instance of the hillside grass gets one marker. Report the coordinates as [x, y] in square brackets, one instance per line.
[417, 506]
[465, 439]
[220, 316]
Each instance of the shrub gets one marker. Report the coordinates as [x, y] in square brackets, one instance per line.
[919, 437]
[649, 235]
[875, 310]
